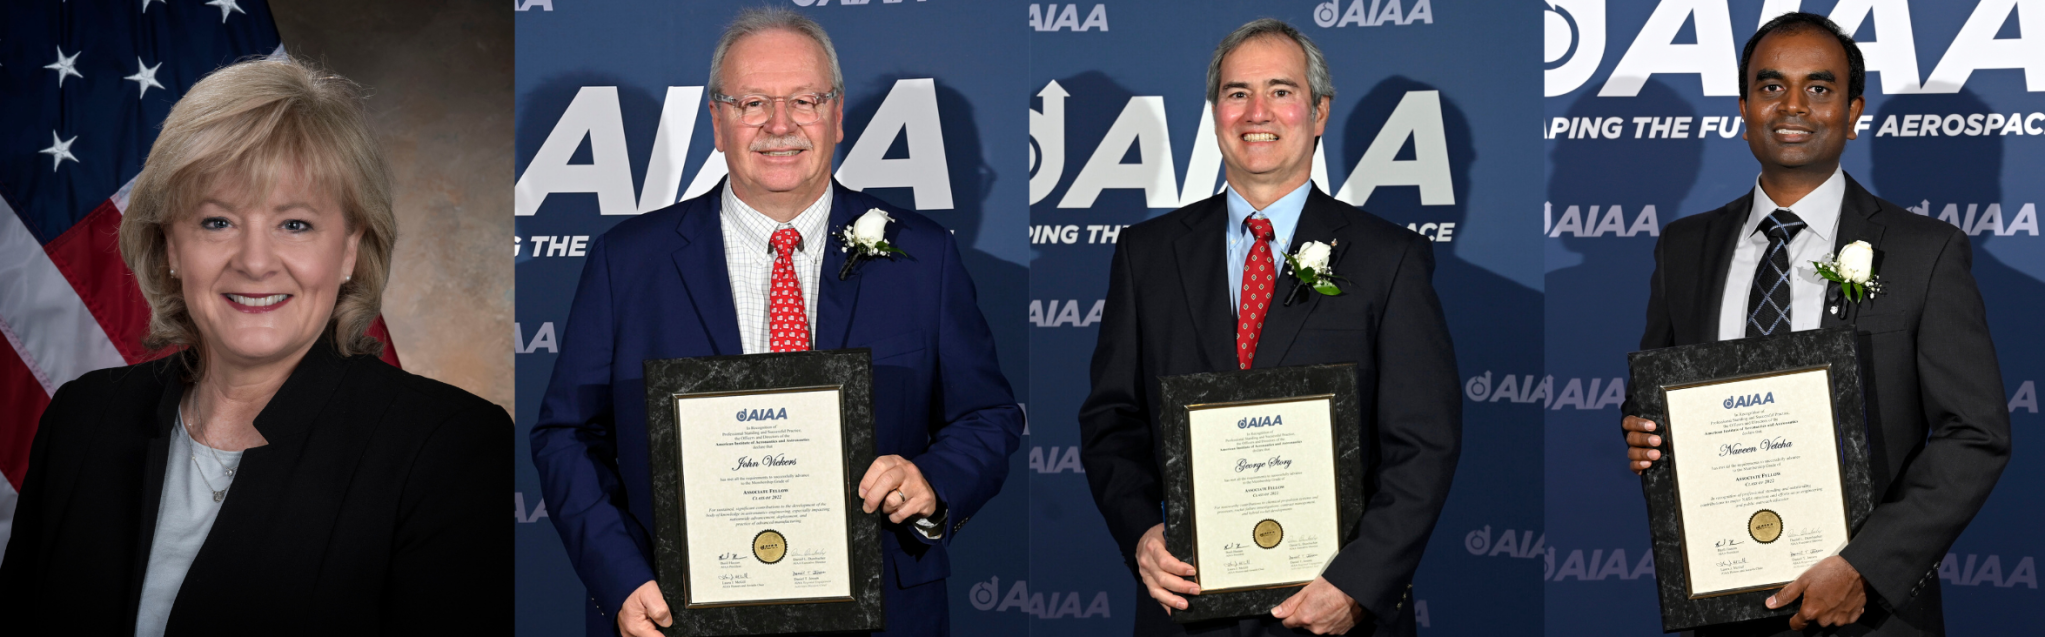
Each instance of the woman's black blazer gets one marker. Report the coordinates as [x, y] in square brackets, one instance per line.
[376, 508]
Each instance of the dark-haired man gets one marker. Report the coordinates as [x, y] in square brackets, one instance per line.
[1938, 432]
[1218, 262]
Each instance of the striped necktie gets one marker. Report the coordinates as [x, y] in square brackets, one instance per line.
[1768, 303]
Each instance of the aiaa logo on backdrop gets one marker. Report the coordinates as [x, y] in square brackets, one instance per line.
[1575, 394]
[1057, 17]
[1142, 124]
[909, 112]
[1372, 13]
[1614, 222]
[1576, 37]
[1067, 605]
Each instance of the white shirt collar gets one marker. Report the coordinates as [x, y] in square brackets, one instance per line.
[1819, 210]
[756, 229]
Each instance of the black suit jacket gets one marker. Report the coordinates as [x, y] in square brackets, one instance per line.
[1937, 425]
[1168, 313]
[376, 508]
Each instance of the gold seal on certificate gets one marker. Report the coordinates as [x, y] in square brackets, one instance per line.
[1763, 471]
[769, 547]
[1765, 526]
[1268, 533]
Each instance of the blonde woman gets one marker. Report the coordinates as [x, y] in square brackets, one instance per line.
[271, 475]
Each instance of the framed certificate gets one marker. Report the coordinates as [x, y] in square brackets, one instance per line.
[1263, 481]
[1763, 471]
[756, 463]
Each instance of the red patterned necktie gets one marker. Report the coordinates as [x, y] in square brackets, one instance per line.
[787, 321]
[1260, 277]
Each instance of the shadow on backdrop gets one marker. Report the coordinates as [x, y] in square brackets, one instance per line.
[972, 179]
[1597, 290]
[1496, 324]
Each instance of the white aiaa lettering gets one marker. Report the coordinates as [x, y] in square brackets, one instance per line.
[1714, 58]
[910, 109]
[1143, 123]
[1418, 116]
[1976, 47]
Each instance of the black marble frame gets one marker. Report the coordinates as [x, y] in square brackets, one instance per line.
[851, 371]
[1654, 372]
[1180, 392]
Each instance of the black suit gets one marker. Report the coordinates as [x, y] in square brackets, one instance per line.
[1168, 314]
[375, 508]
[1937, 426]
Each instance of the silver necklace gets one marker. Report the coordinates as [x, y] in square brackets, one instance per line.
[220, 493]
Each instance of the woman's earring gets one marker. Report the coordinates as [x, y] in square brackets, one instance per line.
[348, 277]
[173, 272]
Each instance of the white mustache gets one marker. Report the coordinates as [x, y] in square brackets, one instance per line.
[785, 142]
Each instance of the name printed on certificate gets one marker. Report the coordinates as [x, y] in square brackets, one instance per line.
[1264, 510]
[763, 478]
[1757, 473]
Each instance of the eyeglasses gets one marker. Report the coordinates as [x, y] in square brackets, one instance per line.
[755, 110]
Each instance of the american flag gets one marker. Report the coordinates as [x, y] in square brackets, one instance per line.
[84, 87]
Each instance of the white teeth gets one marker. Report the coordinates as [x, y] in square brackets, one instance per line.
[1260, 137]
[781, 153]
[1785, 131]
[258, 301]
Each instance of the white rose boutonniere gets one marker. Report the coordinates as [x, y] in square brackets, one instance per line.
[1853, 269]
[865, 239]
[1310, 265]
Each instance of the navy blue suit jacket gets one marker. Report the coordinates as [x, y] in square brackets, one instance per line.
[656, 287]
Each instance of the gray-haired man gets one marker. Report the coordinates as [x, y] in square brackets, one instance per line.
[1217, 262]
[699, 279]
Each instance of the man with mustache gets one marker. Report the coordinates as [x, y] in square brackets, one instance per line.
[754, 266]
[1220, 263]
[1938, 429]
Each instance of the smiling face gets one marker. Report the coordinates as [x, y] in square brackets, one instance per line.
[260, 278]
[778, 157]
[1262, 116]
[1796, 110]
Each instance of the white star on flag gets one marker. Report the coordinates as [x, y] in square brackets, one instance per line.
[66, 66]
[59, 150]
[226, 6]
[145, 76]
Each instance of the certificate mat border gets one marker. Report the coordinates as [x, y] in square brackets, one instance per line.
[1193, 493]
[849, 369]
[1177, 393]
[682, 496]
[1838, 347]
[1839, 466]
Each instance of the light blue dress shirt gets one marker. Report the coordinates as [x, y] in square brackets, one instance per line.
[1284, 216]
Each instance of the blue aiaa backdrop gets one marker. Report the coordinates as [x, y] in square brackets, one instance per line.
[1643, 128]
[1430, 128]
[611, 122]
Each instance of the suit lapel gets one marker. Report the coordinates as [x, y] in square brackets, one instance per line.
[1856, 223]
[1719, 240]
[1318, 221]
[1203, 275]
[154, 465]
[834, 308]
[700, 261]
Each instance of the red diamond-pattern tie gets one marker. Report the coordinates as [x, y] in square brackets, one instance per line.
[1260, 276]
[787, 321]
